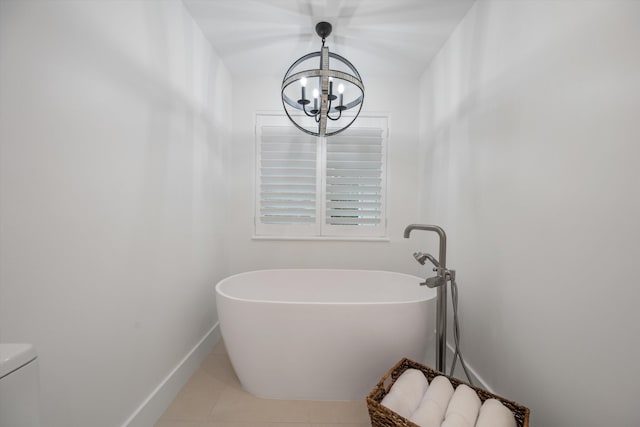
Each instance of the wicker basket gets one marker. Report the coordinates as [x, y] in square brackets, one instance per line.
[382, 416]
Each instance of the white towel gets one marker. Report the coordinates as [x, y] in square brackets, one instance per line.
[428, 414]
[455, 420]
[465, 403]
[431, 410]
[494, 414]
[406, 393]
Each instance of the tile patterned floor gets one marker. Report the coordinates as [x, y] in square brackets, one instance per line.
[213, 397]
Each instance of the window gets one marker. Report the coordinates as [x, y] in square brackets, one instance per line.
[309, 186]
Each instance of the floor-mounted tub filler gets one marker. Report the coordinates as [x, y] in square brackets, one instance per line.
[439, 282]
[322, 334]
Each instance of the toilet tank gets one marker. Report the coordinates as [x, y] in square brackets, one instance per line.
[19, 386]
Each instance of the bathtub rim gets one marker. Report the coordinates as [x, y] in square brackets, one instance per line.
[261, 301]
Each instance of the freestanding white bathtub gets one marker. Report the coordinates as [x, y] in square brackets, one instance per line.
[322, 334]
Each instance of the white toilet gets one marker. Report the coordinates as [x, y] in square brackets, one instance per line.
[19, 386]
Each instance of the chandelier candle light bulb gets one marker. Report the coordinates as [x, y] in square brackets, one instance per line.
[315, 101]
[303, 84]
[315, 121]
[332, 97]
[341, 92]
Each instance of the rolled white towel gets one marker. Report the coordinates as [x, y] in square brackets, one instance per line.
[494, 414]
[455, 420]
[406, 393]
[465, 403]
[433, 406]
[428, 414]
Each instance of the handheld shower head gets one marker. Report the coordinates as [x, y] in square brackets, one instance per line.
[422, 257]
[419, 256]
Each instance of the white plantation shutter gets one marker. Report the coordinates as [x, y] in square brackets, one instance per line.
[288, 180]
[355, 182]
[311, 186]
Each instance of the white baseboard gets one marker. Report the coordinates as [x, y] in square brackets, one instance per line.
[159, 400]
[459, 372]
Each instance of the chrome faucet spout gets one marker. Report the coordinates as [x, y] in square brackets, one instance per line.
[442, 253]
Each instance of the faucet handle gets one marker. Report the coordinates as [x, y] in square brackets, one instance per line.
[434, 282]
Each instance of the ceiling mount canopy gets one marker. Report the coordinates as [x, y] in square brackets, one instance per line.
[322, 115]
[323, 29]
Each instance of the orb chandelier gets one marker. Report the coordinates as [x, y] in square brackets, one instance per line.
[326, 113]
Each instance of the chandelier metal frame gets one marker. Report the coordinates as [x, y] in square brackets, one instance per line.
[323, 112]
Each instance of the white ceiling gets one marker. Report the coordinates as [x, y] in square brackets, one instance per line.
[381, 38]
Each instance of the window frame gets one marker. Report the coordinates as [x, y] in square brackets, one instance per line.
[320, 230]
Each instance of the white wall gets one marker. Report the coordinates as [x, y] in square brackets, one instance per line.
[397, 98]
[530, 155]
[114, 131]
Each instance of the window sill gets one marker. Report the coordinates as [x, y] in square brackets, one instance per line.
[324, 238]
